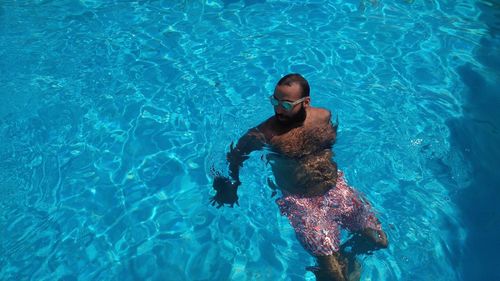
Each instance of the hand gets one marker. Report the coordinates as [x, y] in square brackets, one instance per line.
[225, 192]
[273, 186]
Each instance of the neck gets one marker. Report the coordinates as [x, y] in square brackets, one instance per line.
[295, 122]
[299, 119]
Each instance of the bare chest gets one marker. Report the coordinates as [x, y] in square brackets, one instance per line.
[303, 141]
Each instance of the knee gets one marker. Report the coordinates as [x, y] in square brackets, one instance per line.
[377, 237]
[381, 239]
[382, 244]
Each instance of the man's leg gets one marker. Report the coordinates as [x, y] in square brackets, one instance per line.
[365, 241]
[376, 236]
[337, 267]
[360, 220]
[331, 268]
[319, 236]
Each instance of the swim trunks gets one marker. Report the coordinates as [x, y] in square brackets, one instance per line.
[317, 220]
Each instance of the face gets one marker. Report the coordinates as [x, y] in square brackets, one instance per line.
[290, 93]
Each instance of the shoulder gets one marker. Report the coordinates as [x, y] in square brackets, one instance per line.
[264, 129]
[321, 114]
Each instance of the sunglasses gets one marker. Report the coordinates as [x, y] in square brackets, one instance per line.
[286, 105]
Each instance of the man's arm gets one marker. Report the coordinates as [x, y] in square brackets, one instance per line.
[334, 125]
[251, 141]
[226, 189]
[326, 118]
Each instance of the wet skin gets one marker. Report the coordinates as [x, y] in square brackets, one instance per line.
[300, 143]
[301, 156]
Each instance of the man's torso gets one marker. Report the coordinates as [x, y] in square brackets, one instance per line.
[301, 157]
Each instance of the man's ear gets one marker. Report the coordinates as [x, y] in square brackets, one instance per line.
[307, 102]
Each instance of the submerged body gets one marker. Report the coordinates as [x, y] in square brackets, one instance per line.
[317, 219]
[316, 198]
[302, 160]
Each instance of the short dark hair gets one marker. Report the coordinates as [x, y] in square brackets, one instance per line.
[291, 78]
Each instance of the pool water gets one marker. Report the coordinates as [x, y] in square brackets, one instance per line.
[113, 112]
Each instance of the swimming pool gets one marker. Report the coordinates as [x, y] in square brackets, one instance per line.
[113, 112]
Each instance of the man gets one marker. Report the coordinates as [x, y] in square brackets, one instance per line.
[316, 198]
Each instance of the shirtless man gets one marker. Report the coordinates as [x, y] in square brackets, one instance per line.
[315, 196]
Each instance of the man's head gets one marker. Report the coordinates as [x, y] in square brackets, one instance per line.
[291, 98]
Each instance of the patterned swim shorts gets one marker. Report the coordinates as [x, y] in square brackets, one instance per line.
[316, 220]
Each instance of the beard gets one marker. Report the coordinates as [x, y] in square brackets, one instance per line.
[292, 120]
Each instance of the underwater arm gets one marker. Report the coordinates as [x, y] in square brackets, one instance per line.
[251, 141]
[335, 126]
[332, 124]
[225, 187]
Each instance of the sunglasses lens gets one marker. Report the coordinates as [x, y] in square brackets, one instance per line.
[272, 100]
[286, 105]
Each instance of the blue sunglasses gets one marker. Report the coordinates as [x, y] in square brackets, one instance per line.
[286, 105]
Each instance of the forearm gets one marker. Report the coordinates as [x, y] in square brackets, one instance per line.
[235, 159]
[234, 172]
[251, 141]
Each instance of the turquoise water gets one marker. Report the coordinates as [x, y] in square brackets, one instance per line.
[113, 112]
